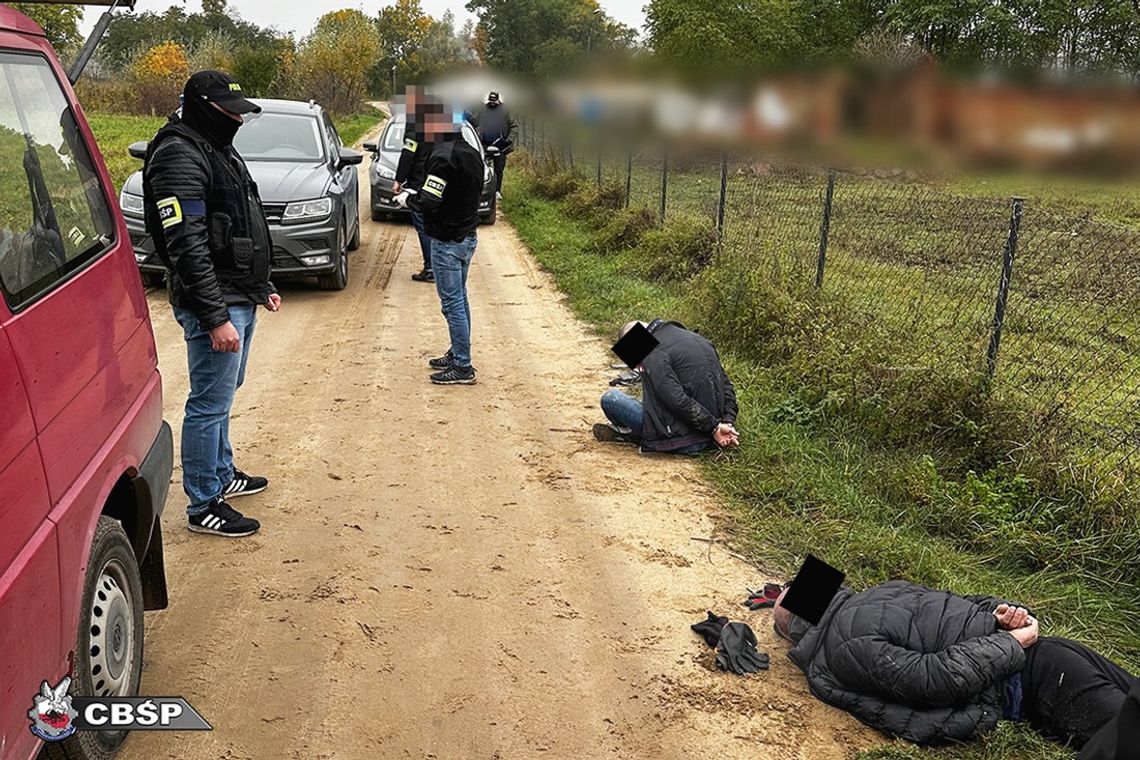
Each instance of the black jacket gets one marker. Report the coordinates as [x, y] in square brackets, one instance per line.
[449, 198]
[411, 167]
[496, 125]
[204, 215]
[686, 391]
[1120, 737]
[925, 665]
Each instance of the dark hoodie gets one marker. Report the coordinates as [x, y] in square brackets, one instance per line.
[925, 665]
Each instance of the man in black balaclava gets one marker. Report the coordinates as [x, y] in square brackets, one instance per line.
[204, 215]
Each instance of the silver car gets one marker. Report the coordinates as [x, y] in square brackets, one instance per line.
[309, 191]
[382, 172]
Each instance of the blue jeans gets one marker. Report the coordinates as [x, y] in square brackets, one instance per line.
[450, 262]
[628, 413]
[207, 457]
[425, 241]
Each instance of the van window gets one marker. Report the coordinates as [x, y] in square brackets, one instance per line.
[54, 216]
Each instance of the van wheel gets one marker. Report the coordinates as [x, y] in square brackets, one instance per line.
[109, 648]
[338, 278]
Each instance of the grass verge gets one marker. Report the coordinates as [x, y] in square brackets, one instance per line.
[806, 481]
[114, 132]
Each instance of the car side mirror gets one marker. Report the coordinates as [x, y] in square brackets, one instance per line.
[372, 147]
[138, 149]
[348, 157]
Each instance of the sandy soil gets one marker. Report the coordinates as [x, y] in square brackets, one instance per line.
[454, 572]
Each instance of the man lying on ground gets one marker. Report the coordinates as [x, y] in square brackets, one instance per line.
[688, 405]
[934, 667]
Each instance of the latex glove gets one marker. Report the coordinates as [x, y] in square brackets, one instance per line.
[401, 198]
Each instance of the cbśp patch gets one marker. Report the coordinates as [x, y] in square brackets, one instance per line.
[169, 212]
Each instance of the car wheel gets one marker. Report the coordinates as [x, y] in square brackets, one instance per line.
[338, 278]
[109, 647]
[354, 244]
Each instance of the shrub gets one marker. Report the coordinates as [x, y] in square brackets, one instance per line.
[596, 204]
[677, 250]
[624, 230]
[159, 74]
[554, 182]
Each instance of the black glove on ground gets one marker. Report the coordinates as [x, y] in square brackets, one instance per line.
[710, 629]
[736, 651]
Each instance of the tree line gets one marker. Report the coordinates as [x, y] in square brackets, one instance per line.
[350, 55]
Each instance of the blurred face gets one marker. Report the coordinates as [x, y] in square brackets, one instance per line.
[438, 124]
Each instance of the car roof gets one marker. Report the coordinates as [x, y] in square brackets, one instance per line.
[272, 105]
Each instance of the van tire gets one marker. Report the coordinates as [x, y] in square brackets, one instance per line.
[112, 611]
[354, 243]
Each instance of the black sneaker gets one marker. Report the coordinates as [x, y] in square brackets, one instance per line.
[424, 275]
[244, 485]
[607, 433]
[455, 375]
[223, 520]
[443, 362]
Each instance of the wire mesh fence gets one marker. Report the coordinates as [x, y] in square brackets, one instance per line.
[1037, 304]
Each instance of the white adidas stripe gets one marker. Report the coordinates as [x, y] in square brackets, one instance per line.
[213, 522]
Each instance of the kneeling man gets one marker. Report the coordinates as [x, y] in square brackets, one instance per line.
[688, 403]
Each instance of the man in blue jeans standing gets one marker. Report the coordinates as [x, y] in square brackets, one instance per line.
[205, 217]
[449, 200]
[689, 404]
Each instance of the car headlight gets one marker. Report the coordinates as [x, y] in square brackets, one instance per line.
[486, 174]
[385, 172]
[305, 210]
[131, 204]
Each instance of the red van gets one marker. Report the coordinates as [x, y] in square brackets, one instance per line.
[85, 457]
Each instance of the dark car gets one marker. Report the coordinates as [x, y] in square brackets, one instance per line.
[309, 190]
[382, 172]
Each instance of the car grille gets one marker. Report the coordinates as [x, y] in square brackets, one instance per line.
[273, 212]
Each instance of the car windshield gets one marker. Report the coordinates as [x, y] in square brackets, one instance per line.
[394, 137]
[280, 137]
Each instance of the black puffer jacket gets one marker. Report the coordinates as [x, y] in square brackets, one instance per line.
[686, 390]
[917, 663]
[204, 215]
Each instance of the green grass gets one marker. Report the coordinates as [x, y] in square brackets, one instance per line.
[354, 127]
[810, 480]
[114, 133]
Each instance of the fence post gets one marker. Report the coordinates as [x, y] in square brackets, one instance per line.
[1003, 286]
[664, 181]
[825, 229]
[628, 173]
[723, 189]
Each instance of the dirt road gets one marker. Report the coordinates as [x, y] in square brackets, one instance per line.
[453, 572]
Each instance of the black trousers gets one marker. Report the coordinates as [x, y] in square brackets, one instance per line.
[1069, 691]
[499, 163]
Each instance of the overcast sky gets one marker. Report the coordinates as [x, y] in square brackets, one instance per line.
[299, 15]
